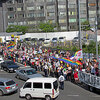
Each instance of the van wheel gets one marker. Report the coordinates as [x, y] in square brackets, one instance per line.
[48, 98]
[1, 93]
[91, 88]
[28, 97]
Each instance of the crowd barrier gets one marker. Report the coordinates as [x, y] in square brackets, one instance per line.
[91, 80]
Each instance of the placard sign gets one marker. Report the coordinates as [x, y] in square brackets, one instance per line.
[89, 79]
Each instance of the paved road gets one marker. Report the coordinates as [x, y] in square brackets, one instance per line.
[71, 91]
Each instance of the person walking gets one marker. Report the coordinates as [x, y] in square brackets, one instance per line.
[61, 81]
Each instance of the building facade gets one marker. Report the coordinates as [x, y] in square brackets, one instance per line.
[61, 13]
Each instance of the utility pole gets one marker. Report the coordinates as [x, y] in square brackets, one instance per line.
[96, 33]
[80, 44]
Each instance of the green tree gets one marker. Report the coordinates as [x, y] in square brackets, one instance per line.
[46, 27]
[17, 28]
[85, 25]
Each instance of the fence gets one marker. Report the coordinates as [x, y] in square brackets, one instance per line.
[89, 79]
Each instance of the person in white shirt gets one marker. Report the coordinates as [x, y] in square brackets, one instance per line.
[61, 81]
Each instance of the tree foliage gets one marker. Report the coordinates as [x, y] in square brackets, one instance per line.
[85, 25]
[17, 28]
[46, 27]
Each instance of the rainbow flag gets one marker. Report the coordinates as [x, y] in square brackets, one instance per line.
[71, 62]
[10, 46]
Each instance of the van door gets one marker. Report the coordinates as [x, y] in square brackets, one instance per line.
[55, 89]
[48, 89]
[27, 88]
[38, 90]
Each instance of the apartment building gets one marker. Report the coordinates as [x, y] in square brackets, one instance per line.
[61, 13]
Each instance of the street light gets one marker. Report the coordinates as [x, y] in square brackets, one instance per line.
[96, 37]
[80, 44]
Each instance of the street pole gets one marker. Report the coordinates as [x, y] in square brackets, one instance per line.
[96, 37]
[80, 44]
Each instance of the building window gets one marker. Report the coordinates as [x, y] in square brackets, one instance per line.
[10, 16]
[20, 15]
[62, 20]
[62, 13]
[12, 23]
[83, 19]
[19, 1]
[50, 7]
[30, 8]
[30, 15]
[31, 22]
[71, 13]
[50, 14]
[40, 15]
[63, 27]
[40, 7]
[61, 6]
[50, 0]
[10, 9]
[72, 6]
[72, 20]
[22, 23]
[73, 27]
[52, 21]
[10, 1]
[20, 9]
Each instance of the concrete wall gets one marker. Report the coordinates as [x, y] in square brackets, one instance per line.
[68, 35]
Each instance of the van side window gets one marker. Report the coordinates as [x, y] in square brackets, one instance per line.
[27, 85]
[37, 85]
[47, 85]
[1, 84]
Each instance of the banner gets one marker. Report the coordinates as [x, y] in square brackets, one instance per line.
[89, 79]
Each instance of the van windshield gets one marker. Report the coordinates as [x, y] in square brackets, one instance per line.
[55, 85]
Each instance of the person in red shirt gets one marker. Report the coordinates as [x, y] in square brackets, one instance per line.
[76, 78]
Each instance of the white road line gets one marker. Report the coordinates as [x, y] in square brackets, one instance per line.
[96, 96]
[73, 95]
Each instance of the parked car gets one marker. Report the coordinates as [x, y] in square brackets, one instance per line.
[62, 39]
[42, 39]
[76, 39]
[7, 86]
[40, 88]
[34, 39]
[47, 40]
[9, 66]
[54, 40]
[27, 39]
[27, 73]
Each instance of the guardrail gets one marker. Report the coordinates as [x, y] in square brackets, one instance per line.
[91, 80]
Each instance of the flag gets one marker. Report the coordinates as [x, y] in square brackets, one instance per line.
[78, 55]
[10, 46]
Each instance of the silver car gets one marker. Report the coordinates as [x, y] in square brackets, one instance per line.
[7, 86]
[27, 73]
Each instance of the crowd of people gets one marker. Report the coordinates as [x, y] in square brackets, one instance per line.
[42, 60]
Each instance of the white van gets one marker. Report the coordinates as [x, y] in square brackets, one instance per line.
[40, 88]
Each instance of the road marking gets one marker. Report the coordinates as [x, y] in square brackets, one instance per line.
[73, 95]
[96, 96]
